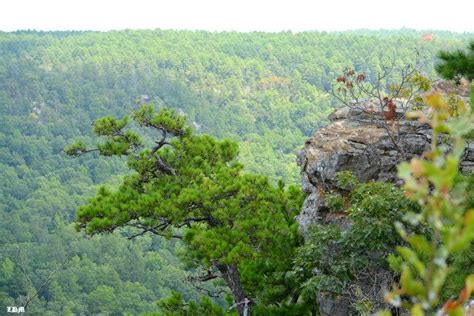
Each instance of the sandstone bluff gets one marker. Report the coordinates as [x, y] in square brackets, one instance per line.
[354, 142]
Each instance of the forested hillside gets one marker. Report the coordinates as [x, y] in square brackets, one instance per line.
[266, 91]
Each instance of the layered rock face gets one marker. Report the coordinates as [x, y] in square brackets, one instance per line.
[356, 142]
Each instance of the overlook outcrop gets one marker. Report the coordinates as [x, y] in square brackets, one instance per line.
[355, 142]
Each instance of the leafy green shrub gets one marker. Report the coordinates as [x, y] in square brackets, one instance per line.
[346, 180]
[335, 202]
[424, 264]
[336, 255]
[174, 305]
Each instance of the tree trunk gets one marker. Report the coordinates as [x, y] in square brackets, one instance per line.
[230, 273]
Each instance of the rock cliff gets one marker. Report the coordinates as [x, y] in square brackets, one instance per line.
[355, 142]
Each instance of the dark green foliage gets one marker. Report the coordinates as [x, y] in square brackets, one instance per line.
[346, 180]
[375, 209]
[174, 305]
[192, 187]
[455, 65]
[90, 275]
[337, 254]
[286, 309]
[263, 90]
[335, 202]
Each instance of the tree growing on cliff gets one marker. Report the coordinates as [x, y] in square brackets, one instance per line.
[235, 226]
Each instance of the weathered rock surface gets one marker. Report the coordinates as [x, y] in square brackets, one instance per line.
[356, 142]
[358, 145]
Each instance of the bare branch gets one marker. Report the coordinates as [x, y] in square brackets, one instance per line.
[357, 93]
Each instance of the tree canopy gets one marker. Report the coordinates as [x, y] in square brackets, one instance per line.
[192, 187]
[265, 91]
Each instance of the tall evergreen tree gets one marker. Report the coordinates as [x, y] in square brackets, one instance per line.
[236, 226]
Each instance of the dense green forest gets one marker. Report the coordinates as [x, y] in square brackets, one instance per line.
[265, 91]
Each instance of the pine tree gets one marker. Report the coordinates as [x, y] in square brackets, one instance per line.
[457, 64]
[235, 226]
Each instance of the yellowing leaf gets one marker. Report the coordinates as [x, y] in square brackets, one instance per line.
[416, 167]
[436, 102]
[470, 283]
[416, 310]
